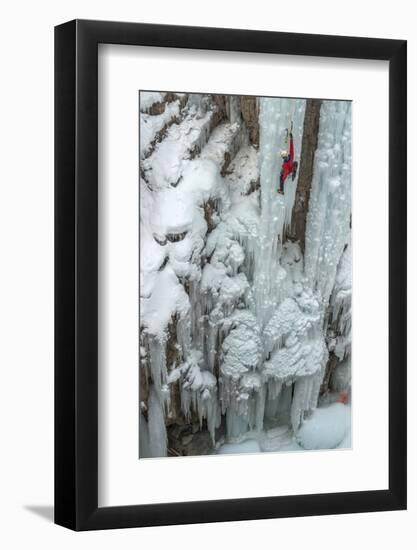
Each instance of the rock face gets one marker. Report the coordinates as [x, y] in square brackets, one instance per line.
[250, 114]
[220, 110]
[189, 440]
[308, 149]
[234, 338]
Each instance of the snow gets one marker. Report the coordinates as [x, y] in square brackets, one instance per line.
[147, 99]
[168, 298]
[167, 162]
[175, 208]
[242, 347]
[220, 141]
[151, 125]
[296, 359]
[327, 428]
[243, 172]
[289, 319]
[248, 446]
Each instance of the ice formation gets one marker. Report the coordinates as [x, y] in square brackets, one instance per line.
[327, 429]
[328, 221]
[236, 326]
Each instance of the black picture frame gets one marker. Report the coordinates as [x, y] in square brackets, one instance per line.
[76, 272]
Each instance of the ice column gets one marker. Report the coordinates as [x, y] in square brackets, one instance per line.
[276, 115]
[328, 220]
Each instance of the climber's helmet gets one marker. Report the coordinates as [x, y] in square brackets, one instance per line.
[284, 153]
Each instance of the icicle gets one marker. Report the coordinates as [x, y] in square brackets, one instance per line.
[341, 303]
[199, 392]
[157, 350]
[145, 450]
[258, 424]
[301, 401]
[156, 425]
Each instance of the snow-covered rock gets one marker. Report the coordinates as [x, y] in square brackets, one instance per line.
[326, 428]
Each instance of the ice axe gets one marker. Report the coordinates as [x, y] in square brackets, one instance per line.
[288, 133]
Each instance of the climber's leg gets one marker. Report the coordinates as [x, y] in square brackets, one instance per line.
[281, 184]
[294, 170]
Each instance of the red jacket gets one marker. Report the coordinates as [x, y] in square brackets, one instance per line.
[288, 165]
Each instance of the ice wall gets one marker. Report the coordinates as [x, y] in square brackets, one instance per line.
[328, 220]
[276, 116]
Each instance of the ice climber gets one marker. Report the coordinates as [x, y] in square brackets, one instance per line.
[289, 166]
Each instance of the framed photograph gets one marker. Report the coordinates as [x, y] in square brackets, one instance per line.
[230, 248]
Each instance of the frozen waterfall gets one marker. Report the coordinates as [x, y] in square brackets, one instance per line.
[328, 221]
[236, 324]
